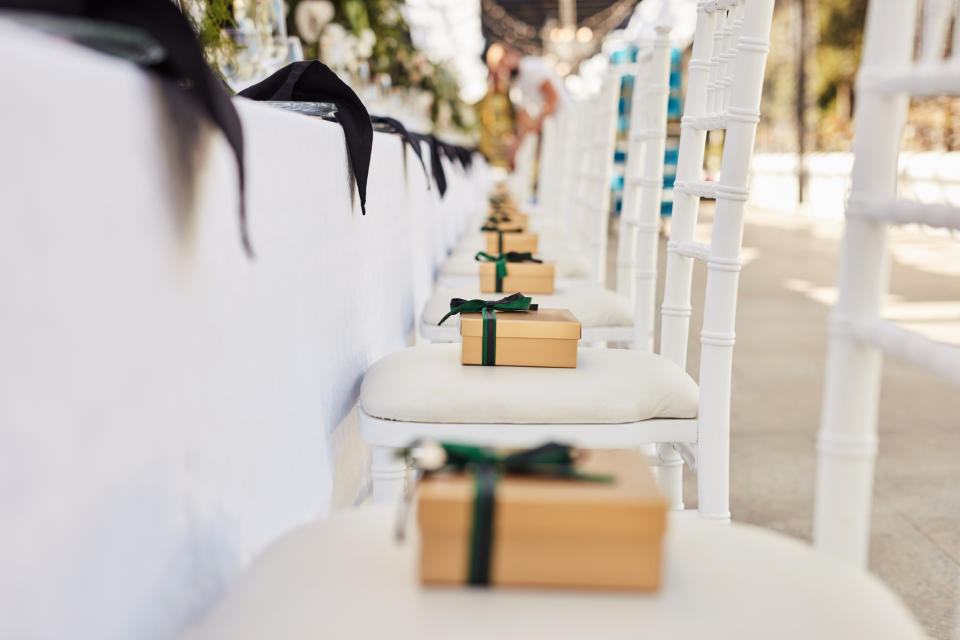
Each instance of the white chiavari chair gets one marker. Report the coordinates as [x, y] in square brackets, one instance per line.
[643, 182]
[606, 401]
[606, 316]
[555, 148]
[859, 335]
[723, 93]
[561, 244]
[554, 138]
[570, 127]
[544, 212]
[596, 173]
[520, 180]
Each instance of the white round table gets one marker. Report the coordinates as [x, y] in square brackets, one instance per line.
[345, 577]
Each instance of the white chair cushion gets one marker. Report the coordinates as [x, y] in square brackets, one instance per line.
[346, 577]
[609, 386]
[592, 305]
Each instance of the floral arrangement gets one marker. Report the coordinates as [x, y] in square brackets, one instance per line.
[369, 39]
[363, 40]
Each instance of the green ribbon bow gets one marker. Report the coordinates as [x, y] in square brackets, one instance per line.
[551, 460]
[499, 232]
[502, 260]
[488, 309]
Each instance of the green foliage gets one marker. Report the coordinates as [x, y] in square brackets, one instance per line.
[840, 30]
[355, 14]
[836, 37]
[210, 19]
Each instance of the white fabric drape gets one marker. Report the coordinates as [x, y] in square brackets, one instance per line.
[165, 403]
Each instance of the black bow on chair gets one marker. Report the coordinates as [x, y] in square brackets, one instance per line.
[392, 125]
[436, 165]
[182, 61]
[313, 81]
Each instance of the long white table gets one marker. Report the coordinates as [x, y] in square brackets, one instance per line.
[166, 403]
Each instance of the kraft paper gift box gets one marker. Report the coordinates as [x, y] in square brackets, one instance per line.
[505, 223]
[503, 241]
[545, 532]
[530, 277]
[508, 221]
[540, 338]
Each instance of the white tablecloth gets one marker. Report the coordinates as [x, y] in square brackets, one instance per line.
[165, 402]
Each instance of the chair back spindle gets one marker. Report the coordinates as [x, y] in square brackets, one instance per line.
[847, 442]
[599, 122]
[643, 182]
[730, 47]
[568, 189]
[547, 175]
[675, 310]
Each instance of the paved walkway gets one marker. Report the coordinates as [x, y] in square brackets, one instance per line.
[786, 289]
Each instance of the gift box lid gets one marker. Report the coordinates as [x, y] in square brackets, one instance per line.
[631, 505]
[522, 235]
[542, 323]
[531, 269]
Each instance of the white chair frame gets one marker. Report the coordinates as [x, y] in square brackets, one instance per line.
[729, 101]
[643, 183]
[724, 86]
[548, 183]
[570, 218]
[595, 173]
[847, 442]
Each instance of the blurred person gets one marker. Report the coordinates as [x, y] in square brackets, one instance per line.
[496, 113]
[540, 87]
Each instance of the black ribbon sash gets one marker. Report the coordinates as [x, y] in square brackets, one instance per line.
[392, 125]
[436, 164]
[313, 81]
[183, 63]
[439, 150]
[481, 535]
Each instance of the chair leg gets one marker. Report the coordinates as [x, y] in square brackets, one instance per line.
[389, 473]
[713, 470]
[668, 469]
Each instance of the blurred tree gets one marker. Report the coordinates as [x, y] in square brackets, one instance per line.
[839, 41]
[933, 123]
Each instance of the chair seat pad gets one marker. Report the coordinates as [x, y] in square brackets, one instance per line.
[609, 386]
[592, 305]
[345, 576]
[568, 264]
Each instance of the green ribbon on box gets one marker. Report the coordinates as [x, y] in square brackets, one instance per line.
[502, 260]
[497, 218]
[488, 309]
[551, 460]
[499, 232]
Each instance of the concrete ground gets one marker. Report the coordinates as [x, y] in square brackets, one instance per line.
[787, 289]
